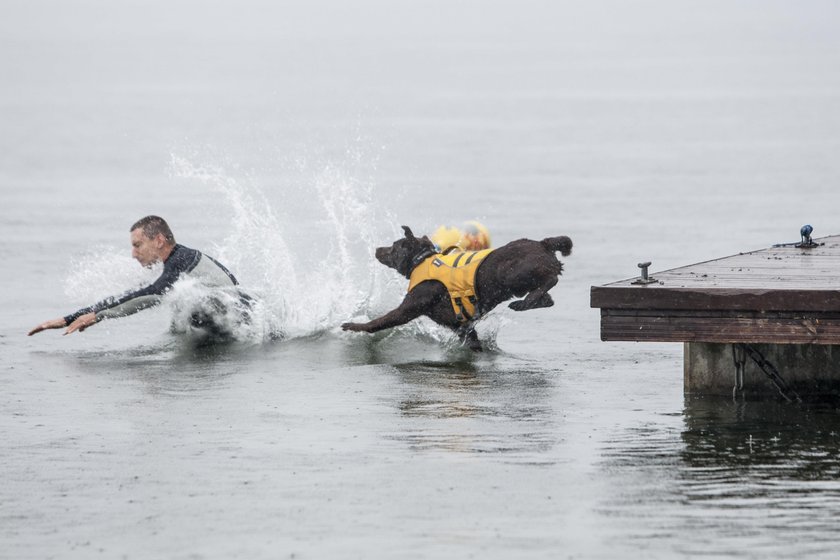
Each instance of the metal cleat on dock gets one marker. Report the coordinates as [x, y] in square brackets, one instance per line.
[806, 243]
[644, 278]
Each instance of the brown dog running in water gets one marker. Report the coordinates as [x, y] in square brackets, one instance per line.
[524, 268]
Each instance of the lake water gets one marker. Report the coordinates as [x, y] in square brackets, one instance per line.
[289, 139]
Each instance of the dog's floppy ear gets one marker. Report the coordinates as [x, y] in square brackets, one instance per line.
[408, 233]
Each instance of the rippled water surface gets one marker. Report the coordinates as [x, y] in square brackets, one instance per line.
[290, 139]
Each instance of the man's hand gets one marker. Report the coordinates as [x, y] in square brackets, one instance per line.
[81, 323]
[53, 324]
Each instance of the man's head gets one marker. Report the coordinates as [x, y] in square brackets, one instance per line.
[151, 240]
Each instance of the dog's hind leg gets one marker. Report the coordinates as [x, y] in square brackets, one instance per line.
[542, 300]
[536, 298]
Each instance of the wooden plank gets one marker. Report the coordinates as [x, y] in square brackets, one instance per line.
[774, 279]
[720, 329]
[715, 299]
[774, 268]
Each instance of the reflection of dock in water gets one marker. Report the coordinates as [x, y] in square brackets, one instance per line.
[711, 476]
[741, 317]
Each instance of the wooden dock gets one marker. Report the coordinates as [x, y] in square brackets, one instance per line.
[779, 295]
[778, 306]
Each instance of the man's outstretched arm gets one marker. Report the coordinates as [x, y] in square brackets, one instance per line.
[116, 306]
[79, 324]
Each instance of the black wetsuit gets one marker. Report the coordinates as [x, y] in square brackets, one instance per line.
[181, 261]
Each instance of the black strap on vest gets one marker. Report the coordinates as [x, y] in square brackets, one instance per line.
[415, 262]
[463, 316]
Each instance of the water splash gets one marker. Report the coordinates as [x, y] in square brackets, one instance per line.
[103, 271]
[310, 267]
[301, 244]
[219, 315]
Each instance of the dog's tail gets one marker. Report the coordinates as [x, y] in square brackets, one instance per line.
[561, 243]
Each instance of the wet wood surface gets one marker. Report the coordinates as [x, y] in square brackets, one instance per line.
[784, 295]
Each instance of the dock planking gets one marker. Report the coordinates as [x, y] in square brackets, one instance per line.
[778, 295]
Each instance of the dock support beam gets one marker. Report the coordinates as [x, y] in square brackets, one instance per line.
[809, 369]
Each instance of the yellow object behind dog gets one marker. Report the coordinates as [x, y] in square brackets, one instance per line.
[473, 237]
[456, 271]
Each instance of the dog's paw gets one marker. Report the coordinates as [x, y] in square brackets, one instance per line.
[518, 305]
[545, 301]
[354, 327]
[475, 346]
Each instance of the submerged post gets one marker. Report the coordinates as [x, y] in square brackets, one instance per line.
[805, 370]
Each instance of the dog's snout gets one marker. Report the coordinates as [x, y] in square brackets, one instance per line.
[382, 253]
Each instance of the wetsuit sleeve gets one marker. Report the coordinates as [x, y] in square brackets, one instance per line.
[130, 302]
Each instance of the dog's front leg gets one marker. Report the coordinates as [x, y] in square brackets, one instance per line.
[410, 308]
[469, 337]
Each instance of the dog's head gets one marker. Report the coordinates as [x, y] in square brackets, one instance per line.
[403, 254]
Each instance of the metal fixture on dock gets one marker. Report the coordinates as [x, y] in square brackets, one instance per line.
[644, 278]
[806, 243]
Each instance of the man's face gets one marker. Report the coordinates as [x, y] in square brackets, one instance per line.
[146, 251]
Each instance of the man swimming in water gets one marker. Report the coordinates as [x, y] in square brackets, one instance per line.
[152, 241]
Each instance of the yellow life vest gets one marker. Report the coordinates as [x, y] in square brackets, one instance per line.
[457, 272]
